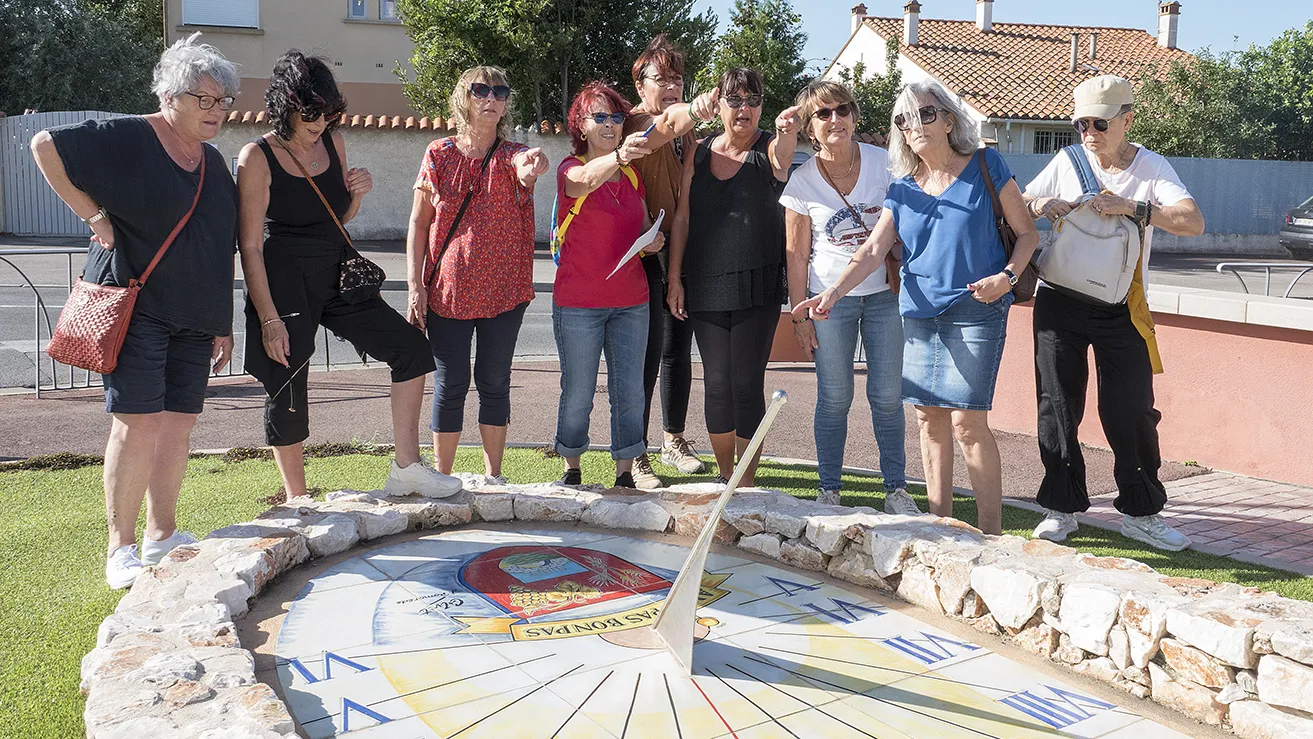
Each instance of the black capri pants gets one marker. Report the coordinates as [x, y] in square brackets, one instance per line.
[735, 347]
[305, 304]
[449, 339]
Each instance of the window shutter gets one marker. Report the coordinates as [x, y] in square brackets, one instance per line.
[238, 13]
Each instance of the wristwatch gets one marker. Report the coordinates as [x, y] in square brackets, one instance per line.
[98, 217]
[1012, 278]
[1141, 212]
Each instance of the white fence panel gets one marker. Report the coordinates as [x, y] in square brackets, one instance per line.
[31, 208]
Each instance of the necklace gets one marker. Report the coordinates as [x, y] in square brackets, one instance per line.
[852, 162]
[191, 161]
[310, 154]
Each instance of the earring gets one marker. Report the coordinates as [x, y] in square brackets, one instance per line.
[816, 146]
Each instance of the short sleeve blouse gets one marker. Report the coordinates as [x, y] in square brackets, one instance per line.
[607, 225]
[488, 268]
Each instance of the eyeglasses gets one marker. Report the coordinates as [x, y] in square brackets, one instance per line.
[601, 118]
[1084, 124]
[667, 81]
[206, 102]
[482, 91]
[314, 114]
[843, 111]
[928, 114]
[738, 101]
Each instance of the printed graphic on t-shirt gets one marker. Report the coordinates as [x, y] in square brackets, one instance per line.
[846, 231]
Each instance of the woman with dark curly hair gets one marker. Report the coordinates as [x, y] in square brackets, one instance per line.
[296, 192]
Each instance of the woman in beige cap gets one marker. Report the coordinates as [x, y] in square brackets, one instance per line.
[1141, 185]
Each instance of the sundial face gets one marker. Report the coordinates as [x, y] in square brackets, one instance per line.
[538, 634]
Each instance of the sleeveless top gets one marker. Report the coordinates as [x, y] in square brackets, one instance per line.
[734, 259]
[298, 231]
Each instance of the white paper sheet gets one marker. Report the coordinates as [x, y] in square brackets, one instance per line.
[642, 241]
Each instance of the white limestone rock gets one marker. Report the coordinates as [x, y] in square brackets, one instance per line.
[1119, 647]
[1099, 668]
[139, 727]
[1248, 681]
[1293, 639]
[802, 555]
[1195, 701]
[827, 531]
[435, 513]
[494, 506]
[552, 503]
[1087, 613]
[855, 567]
[1285, 682]
[746, 511]
[336, 532]
[1011, 591]
[617, 513]
[765, 544]
[917, 585]
[1255, 720]
[1230, 694]
[163, 670]
[1195, 665]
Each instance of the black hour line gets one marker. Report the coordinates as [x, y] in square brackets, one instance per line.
[818, 709]
[313, 660]
[632, 701]
[517, 700]
[878, 700]
[765, 597]
[580, 707]
[679, 733]
[749, 700]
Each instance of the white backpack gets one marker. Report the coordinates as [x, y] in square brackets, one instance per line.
[1092, 255]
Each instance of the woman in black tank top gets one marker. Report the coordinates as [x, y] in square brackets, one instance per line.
[727, 270]
[292, 250]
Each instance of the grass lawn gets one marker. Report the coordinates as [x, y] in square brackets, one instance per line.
[53, 593]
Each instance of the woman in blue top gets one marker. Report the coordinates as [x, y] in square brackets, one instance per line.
[957, 286]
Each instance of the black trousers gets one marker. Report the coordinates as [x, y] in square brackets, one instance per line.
[450, 340]
[735, 347]
[305, 304]
[1065, 329]
[669, 354]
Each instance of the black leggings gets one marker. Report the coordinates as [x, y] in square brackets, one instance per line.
[735, 347]
[305, 304]
[450, 339]
[669, 351]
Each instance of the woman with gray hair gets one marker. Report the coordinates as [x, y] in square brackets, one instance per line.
[956, 286]
[133, 180]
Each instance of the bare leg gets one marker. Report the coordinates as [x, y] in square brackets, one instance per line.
[494, 448]
[172, 444]
[749, 475]
[445, 445]
[722, 445]
[623, 465]
[291, 465]
[937, 457]
[571, 463]
[407, 397]
[976, 440]
[128, 462]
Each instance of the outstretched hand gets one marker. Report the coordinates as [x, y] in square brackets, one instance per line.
[816, 308]
[788, 122]
[530, 164]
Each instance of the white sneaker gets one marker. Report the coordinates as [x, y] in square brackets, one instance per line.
[828, 497]
[153, 551]
[423, 479]
[1056, 526]
[679, 453]
[898, 502]
[122, 568]
[1155, 532]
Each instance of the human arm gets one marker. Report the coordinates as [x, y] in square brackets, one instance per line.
[781, 148]
[530, 164]
[798, 250]
[681, 118]
[869, 257]
[993, 287]
[358, 181]
[422, 213]
[678, 243]
[1182, 218]
[253, 180]
[584, 178]
[83, 206]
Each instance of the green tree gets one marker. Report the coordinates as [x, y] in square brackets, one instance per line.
[549, 48]
[765, 35]
[1280, 79]
[78, 55]
[875, 93]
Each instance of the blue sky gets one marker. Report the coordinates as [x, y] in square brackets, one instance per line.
[1213, 23]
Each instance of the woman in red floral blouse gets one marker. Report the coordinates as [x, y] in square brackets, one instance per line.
[482, 281]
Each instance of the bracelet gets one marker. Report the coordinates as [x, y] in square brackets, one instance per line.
[694, 116]
[100, 215]
[620, 162]
[799, 321]
[268, 321]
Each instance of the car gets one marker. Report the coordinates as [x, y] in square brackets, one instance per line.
[1297, 232]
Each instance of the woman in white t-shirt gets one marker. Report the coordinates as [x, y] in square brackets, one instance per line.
[830, 206]
[1141, 185]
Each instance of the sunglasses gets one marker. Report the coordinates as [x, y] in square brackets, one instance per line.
[601, 118]
[927, 115]
[482, 91]
[1084, 124]
[843, 111]
[738, 101]
[206, 102]
[312, 115]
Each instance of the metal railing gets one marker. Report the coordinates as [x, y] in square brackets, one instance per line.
[65, 377]
[1267, 267]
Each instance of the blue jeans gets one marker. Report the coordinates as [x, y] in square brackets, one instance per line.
[876, 317]
[583, 335]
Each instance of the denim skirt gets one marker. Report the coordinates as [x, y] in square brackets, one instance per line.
[951, 360]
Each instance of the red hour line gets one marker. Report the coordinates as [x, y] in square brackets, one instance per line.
[713, 708]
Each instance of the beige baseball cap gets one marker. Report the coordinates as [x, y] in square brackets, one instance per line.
[1101, 97]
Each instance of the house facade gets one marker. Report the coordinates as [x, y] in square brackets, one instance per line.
[1015, 79]
[363, 39]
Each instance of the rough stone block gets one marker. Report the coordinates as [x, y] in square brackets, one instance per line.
[259, 705]
[372, 521]
[1293, 640]
[551, 503]
[494, 506]
[802, 555]
[331, 534]
[285, 548]
[1255, 720]
[1195, 701]
[644, 515]
[435, 513]
[747, 511]
[1099, 668]
[1196, 666]
[828, 531]
[1224, 622]
[1248, 681]
[1011, 592]
[1285, 682]
[1087, 613]
[855, 567]
[1119, 647]
[1067, 652]
[917, 586]
[187, 692]
[952, 573]
[1144, 616]
[765, 544]
[163, 670]
[1040, 639]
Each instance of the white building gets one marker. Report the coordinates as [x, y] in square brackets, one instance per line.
[1016, 79]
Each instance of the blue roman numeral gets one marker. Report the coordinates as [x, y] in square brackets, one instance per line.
[930, 649]
[349, 705]
[1064, 709]
[845, 612]
[329, 659]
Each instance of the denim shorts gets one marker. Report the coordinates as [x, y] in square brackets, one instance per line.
[160, 368]
[951, 360]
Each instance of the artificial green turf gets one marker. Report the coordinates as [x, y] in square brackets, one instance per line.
[53, 595]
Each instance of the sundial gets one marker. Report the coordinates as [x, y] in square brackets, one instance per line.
[543, 633]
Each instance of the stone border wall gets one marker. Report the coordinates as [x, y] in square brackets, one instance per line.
[168, 662]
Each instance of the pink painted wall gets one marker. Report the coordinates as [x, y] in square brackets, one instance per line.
[1234, 397]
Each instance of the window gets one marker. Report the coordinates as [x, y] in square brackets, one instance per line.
[387, 10]
[355, 8]
[1050, 142]
[236, 13]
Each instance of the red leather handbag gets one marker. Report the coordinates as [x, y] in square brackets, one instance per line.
[95, 319]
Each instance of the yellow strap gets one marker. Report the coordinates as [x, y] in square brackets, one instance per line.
[1141, 317]
[574, 209]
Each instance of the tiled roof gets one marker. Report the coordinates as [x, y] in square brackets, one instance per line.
[382, 121]
[1023, 70]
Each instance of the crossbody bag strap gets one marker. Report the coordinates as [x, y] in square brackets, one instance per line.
[1089, 184]
[989, 183]
[469, 195]
[891, 262]
[322, 199]
[173, 235]
[825, 175]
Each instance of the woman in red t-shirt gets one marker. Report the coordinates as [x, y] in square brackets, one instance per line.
[593, 310]
[483, 281]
